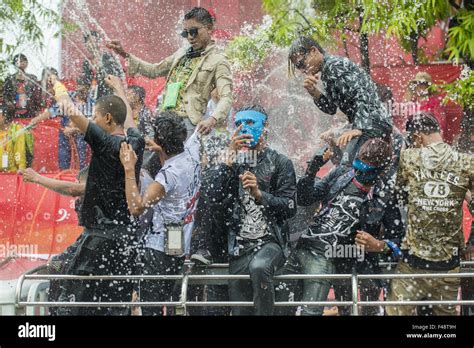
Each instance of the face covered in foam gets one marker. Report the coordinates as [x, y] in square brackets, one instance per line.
[365, 173]
[253, 123]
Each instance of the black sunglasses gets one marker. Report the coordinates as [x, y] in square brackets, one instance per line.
[191, 31]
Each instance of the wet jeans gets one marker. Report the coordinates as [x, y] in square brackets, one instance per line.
[99, 255]
[261, 264]
[304, 260]
[155, 262]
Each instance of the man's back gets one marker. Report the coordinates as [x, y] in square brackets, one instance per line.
[352, 90]
[180, 177]
[436, 178]
[104, 199]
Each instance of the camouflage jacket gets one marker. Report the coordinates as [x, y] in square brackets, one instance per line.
[435, 179]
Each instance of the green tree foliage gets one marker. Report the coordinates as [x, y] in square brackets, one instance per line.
[461, 91]
[24, 16]
[407, 20]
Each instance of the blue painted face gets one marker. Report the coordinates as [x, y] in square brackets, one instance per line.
[253, 123]
[365, 173]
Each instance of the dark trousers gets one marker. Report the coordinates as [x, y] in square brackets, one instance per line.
[369, 291]
[261, 264]
[155, 262]
[100, 255]
[59, 264]
[305, 260]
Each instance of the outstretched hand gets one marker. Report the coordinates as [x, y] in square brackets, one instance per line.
[29, 175]
[205, 127]
[116, 46]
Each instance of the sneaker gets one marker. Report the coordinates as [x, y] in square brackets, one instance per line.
[203, 256]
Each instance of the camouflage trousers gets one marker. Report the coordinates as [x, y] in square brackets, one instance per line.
[419, 289]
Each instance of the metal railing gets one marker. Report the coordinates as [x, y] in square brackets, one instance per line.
[187, 278]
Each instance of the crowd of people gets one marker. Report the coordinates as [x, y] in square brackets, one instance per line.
[166, 186]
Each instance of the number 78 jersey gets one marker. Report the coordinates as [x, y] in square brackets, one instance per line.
[435, 178]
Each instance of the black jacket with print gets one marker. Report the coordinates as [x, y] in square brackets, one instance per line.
[276, 180]
[351, 89]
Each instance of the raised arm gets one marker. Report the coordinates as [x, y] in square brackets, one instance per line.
[137, 203]
[67, 107]
[138, 66]
[116, 85]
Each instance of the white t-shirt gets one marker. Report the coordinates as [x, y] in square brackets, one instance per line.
[181, 178]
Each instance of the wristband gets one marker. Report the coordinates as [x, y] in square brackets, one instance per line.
[395, 249]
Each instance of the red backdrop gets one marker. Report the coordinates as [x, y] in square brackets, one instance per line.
[33, 215]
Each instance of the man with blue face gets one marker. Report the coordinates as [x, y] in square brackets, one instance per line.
[259, 188]
[355, 205]
[251, 122]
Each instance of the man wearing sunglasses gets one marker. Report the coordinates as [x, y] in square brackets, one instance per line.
[347, 87]
[191, 74]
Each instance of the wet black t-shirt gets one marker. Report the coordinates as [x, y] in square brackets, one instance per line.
[336, 223]
[104, 200]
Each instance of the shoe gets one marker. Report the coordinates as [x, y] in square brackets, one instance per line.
[203, 256]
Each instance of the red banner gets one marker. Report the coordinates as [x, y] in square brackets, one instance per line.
[34, 219]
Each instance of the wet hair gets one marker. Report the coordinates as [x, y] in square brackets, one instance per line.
[254, 107]
[201, 15]
[139, 91]
[113, 105]
[89, 34]
[19, 57]
[303, 44]
[422, 122]
[376, 152]
[170, 132]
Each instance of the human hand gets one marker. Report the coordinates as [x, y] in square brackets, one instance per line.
[70, 131]
[114, 83]
[152, 146]
[128, 157]
[310, 83]
[344, 139]
[29, 175]
[249, 181]
[369, 242]
[116, 46]
[205, 127]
